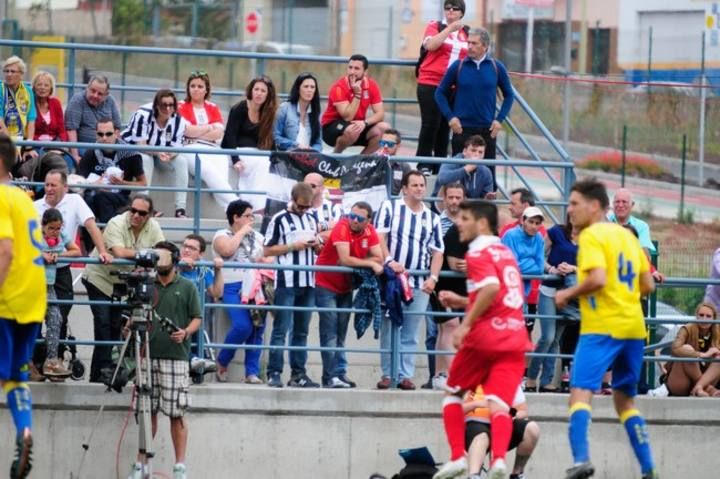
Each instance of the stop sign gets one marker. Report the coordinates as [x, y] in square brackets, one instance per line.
[252, 22]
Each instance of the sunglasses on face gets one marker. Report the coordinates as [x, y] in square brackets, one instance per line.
[356, 217]
[387, 143]
[454, 9]
[105, 134]
[136, 211]
[167, 105]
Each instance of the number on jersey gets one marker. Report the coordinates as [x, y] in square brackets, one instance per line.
[625, 272]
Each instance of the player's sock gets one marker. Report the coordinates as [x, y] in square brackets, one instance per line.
[637, 432]
[500, 433]
[580, 416]
[454, 421]
[19, 402]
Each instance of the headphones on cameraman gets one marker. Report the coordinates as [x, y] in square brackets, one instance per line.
[173, 249]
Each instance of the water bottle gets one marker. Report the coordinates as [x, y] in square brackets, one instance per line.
[565, 380]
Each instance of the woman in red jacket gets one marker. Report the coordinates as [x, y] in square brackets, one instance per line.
[50, 122]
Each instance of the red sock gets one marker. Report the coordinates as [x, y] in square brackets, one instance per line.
[454, 420]
[500, 433]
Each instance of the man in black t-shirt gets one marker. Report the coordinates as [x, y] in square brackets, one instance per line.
[114, 168]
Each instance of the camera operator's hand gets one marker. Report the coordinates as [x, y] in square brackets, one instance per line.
[180, 336]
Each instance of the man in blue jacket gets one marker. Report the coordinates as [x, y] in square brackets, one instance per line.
[527, 244]
[477, 179]
[476, 79]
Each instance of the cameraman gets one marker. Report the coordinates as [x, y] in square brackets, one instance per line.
[178, 300]
[124, 235]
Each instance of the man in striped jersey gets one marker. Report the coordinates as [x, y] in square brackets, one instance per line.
[326, 214]
[411, 239]
[292, 237]
[158, 124]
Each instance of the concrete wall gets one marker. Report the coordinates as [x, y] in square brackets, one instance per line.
[244, 431]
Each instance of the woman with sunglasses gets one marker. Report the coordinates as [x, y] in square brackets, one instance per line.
[444, 42]
[696, 340]
[158, 124]
[297, 125]
[205, 128]
[250, 125]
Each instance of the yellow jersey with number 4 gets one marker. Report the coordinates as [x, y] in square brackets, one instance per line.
[23, 294]
[615, 309]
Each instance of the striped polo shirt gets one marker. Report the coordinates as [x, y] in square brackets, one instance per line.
[284, 228]
[143, 127]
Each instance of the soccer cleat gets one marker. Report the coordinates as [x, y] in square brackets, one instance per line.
[580, 471]
[179, 471]
[451, 469]
[22, 463]
[498, 470]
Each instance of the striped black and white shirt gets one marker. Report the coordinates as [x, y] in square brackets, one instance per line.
[326, 213]
[143, 127]
[411, 237]
[445, 222]
[285, 228]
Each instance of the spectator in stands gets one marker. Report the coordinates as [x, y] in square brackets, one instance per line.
[712, 291]
[410, 238]
[527, 244]
[124, 235]
[345, 122]
[115, 168]
[621, 214]
[561, 248]
[205, 128]
[292, 237]
[50, 122]
[297, 126]
[326, 214]
[158, 124]
[389, 144]
[17, 107]
[476, 79]
[240, 243]
[696, 340]
[453, 260]
[520, 200]
[477, 179]
[75, 213]
[444, 42]
[354, 243]
[85, 108]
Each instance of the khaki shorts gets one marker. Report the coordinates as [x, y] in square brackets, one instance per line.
[170, 387]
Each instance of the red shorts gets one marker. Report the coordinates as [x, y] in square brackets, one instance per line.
[500, 373]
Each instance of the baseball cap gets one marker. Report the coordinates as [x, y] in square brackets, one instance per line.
[532, 212]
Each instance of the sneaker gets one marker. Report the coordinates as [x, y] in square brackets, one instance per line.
[498, 470]
[253, 379]
[651, 475]
[22, 463]
[659, 392]
[53, 368]
[198, 365]
[450, 469]
[302, 381]
[221, 374]
[406, 385]
[274, 380]
[347, 381]
[179, 471]
[439, 382]
[336, 383]
[581, 471]
[137, 471]
[35, 375]
[384, 383]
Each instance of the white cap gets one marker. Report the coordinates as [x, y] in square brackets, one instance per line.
[532, 212]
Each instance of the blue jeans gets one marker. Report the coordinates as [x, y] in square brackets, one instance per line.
[408, 336]
[431, 334]
[300, 322]
[333, 329]
[242, 331]
[550, 333]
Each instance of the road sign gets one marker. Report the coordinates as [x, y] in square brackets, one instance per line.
[252, 22]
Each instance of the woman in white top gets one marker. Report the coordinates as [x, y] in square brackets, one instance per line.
[239, 243]
[205, 129]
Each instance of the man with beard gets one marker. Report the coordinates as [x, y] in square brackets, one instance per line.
[179, 301]
[114, 168]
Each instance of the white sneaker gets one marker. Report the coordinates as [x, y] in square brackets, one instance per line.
[451, 469]
[207, 365]
[137, 471]
[439, 382]
[337, 383]
[179, 471]
[659, 392]
[498, 470]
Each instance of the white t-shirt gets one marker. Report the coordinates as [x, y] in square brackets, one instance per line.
[303, 136]
[74, 210]
[250, 250]
[201, 116]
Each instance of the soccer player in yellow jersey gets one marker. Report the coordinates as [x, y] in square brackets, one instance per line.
[22, 302]
[613, 273]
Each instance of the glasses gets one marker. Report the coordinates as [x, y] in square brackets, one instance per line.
[356, 217]
[136, 211]
[190, 247]
[167, 105]
[302, 207]
[387, 143]
[9, 71]
[454, 9]
[104, 134]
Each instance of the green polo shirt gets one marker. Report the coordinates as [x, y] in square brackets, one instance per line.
[180, 302]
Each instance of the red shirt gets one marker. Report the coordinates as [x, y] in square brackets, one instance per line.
[502, 325]
[360, 244]
[342, 91]
[436, 62]
[56, 128]
[187, 111]
[535, 283]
